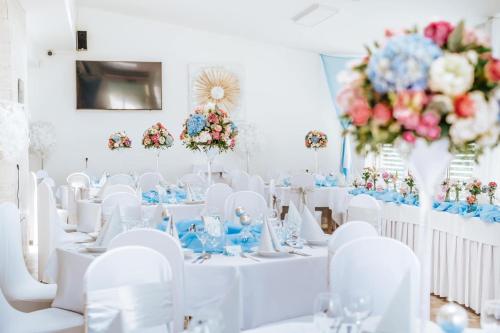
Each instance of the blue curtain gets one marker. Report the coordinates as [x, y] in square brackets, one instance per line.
[332, 66]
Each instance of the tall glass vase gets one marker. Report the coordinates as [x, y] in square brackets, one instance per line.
[316, 161]
[428, 163]
[210, 154]
[158, 160]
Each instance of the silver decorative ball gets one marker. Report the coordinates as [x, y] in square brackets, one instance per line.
[245, 220]
[452, 318]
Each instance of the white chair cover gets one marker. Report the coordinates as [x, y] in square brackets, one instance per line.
[128, 289]
[78, 180]
[170, 248]
[121, 178]
[22, 291]
[216, 197]
[348, 232]
[149, 180]
[50, 228]
[375, 266]
[302, 190]
[240, 181]
[256, 184]
[130, 205]
[42, 321]
[79, 184]
[117, 188]
[253, 203]
[365, 208]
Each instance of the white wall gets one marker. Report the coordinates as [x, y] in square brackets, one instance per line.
[285, 93]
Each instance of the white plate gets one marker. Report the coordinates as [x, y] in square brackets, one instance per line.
[95, 249]
[273, 254]
[194, 202]
[188, 253]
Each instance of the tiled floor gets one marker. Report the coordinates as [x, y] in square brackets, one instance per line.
[436, 302]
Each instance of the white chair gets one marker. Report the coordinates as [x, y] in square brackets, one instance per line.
[51, 231]
[170, 248]
[78, 180]
[121, 178]
[253, 203]
[193, 179]
[256, 184]
[240, 180]
[301, 192]
[149, 180]
[50, 320]
[129, 289]
[348, 232]
[375, 266]
[117, 188]
[79, 184]
[129, 205]
[216, 197]
[41, 174]
[22, 291]
[365, 208]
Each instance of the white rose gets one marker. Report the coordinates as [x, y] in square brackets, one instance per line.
[451, 74]
[162, 140]
[462, 131]
[490, 138]
[204, 137]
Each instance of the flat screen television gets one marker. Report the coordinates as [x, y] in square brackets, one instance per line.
[119, 85]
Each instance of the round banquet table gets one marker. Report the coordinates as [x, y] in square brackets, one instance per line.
[89, 213]
[249, 294]
[465, 250]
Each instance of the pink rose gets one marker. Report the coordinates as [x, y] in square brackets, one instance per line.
[347, 96]
[434, 133]
[408, 136]
[215, 135]
[407, 117]
[360, 112]
[438, 32]
[212, 118]
[382, 113]
[492, 70]
[430, 119]
[464, 106]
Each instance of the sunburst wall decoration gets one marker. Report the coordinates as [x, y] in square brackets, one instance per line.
[216, 84]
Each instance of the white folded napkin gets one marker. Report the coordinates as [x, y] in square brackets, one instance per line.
[111, 228]
[310, 228]
[400, 308]
[293, 217]
[103, 179]
[189, 193]
[269, 241]
[139, 192]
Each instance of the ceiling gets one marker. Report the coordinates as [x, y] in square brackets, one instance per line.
[357, 23]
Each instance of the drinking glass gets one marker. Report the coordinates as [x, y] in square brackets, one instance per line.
[490, 316]
[358, 307]
[328, 315]
[203, 236]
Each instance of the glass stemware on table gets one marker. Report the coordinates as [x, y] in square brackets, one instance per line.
[490, 316]
[358, 308]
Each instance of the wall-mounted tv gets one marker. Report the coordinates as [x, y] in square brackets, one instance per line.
[119, 85]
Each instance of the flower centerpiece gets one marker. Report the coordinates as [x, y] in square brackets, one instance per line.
[356, 183]
[42, 139]
[386, 177]
[490, 190]
[157, 137]
[119, 140]
[209, 129]
[475, 189]
[410, 182]
[394, 180]
[316, 140]
[457, 187]
[375, 175]
[367, 174]
[446, 188]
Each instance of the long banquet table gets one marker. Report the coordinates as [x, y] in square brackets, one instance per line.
[465, 251]
[249, 293]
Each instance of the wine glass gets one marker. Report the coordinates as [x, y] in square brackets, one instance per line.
[203, 236]
[208, 320]
[328, 315]
[490, 316]
[358, 307]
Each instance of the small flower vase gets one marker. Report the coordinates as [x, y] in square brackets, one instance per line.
[394, 187]
[457, 195]
[411, 189]
[447, 196]
[492, 197]
[428, 163]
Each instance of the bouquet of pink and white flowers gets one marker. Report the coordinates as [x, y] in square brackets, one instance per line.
[439, 84]
[316, 139]
[157, 137]
[490, 190]
[119, 140]
[209, 127]
[410, 182]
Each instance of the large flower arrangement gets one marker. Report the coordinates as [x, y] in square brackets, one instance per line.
[316, 139]
[209, 127]
[119, 140]
[158, 137]
[443, 83]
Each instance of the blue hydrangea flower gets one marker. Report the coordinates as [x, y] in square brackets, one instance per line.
[233, 127]
[116, 138]
[403, 64]
[315, 139]
[195, 124]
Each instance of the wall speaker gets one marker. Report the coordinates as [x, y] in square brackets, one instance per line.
[81, 40]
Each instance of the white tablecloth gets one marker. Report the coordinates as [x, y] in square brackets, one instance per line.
[250, 293]
[465, 252]
[89, 213]
[335, 198]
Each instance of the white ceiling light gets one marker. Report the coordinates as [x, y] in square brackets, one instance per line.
[314, 15]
